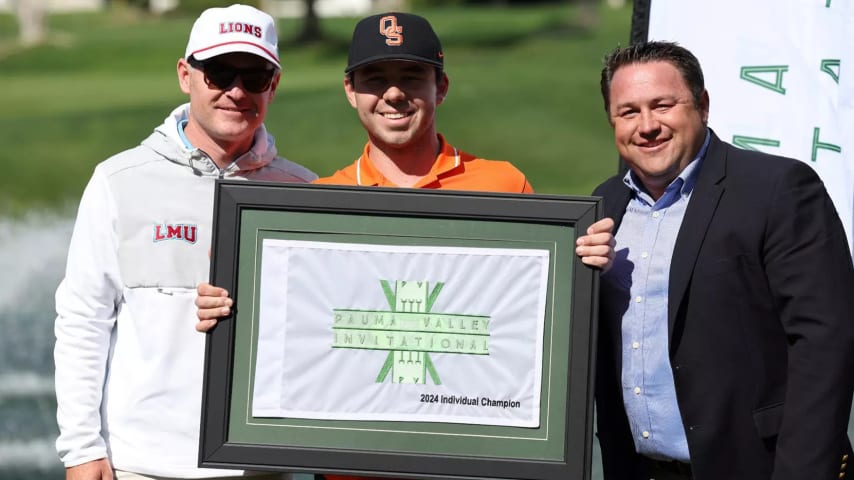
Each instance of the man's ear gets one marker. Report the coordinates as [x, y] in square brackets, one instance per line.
[183, 70]
[442, 88]
[704, 107]
[350, 90]
[274, 85]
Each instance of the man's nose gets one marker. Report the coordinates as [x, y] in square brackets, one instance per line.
[394, 94]
[649, 122]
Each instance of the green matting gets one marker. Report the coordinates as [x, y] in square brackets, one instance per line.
[547, 442]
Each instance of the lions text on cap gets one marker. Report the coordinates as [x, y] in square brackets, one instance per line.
[238, 27]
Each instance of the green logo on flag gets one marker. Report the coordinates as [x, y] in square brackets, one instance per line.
[830, 66]
[818, 145]
[410, 331]
[757, 74]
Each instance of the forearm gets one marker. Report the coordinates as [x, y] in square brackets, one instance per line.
[80, 354]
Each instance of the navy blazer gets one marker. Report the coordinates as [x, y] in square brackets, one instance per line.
[761, 325]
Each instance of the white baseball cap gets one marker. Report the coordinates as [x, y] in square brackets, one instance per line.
[237, 28]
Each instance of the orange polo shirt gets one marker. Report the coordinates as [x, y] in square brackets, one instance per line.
[453, 170]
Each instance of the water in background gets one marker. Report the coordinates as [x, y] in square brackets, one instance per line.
[32, 261]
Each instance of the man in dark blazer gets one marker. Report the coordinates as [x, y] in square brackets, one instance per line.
[726, 338]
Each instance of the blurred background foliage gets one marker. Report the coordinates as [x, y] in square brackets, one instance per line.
[524, 88]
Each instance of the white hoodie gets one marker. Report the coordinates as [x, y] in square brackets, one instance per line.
[128, 358]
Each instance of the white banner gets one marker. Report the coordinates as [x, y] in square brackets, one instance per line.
[774, 71]
[400, 333]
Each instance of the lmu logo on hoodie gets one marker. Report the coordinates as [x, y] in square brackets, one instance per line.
[183, 232]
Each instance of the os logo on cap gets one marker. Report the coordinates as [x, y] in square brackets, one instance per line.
[391, 30]
[380, 38]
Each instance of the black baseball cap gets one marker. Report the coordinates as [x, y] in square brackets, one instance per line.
[394, 36]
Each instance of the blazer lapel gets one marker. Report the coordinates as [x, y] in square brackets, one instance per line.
[617, 198]
[698, 215]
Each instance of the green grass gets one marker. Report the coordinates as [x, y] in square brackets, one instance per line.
[524, 88]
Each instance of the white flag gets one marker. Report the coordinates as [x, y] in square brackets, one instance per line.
[400, 333]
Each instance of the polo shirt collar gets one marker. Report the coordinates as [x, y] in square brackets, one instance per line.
[447, 160]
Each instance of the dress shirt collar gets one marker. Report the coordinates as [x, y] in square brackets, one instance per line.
[683, 184]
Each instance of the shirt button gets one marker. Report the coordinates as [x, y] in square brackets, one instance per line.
[638, 299]
[636, 345]
[645, 434]
[655, 214]
[644, 255]
[637, 390]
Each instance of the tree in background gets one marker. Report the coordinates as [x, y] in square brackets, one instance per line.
[311, 31]
[32, 22]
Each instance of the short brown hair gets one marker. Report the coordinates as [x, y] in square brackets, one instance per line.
[646, 52]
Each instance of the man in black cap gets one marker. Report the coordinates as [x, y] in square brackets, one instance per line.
[395, 80]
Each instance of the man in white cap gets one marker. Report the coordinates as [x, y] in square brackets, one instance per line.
[128, 361]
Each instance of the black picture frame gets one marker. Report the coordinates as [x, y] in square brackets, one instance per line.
[242, 208]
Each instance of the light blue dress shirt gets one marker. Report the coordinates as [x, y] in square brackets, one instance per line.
[641, 270]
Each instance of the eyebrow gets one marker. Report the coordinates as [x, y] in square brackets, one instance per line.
[657, 99]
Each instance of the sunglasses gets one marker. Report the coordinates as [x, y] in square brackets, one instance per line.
[222, 77]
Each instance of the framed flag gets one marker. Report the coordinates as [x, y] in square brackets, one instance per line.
[400, 333]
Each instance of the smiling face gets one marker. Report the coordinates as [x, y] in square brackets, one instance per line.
[396, 102]
[658, 127]
[227, 118]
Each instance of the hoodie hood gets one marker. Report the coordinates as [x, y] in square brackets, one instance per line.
[166, 141]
